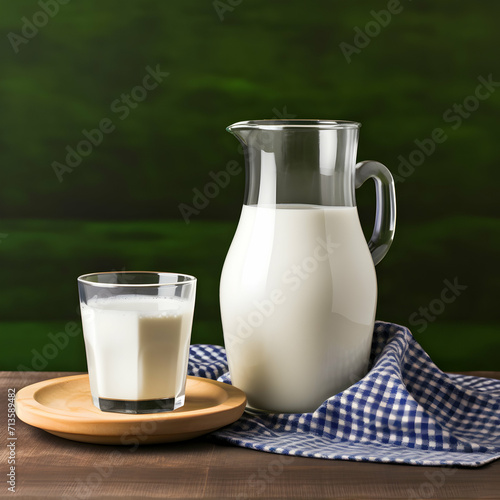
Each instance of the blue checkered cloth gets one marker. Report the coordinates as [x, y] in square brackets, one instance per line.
[405, 410]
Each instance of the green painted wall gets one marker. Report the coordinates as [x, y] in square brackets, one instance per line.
[424, 81]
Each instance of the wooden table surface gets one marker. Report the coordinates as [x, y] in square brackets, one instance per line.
[52, 467]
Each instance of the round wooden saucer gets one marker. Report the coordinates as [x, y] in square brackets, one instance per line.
[63, 406]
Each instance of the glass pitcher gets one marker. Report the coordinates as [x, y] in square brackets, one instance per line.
[298, 289]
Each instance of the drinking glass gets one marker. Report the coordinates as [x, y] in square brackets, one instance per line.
[137, 331]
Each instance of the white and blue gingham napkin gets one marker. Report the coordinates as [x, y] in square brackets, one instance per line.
[405, 410]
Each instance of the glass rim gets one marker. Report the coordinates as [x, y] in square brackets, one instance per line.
[297, 123]
[83, 279]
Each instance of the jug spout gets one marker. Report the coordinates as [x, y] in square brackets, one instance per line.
[240, 131]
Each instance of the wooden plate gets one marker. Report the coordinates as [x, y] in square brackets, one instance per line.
[63, 406]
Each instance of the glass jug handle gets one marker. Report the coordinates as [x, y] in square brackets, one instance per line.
[385, 216]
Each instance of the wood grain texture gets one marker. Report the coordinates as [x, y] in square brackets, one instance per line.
[52, 467]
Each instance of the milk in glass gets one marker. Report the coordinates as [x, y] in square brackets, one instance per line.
[137, 346]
